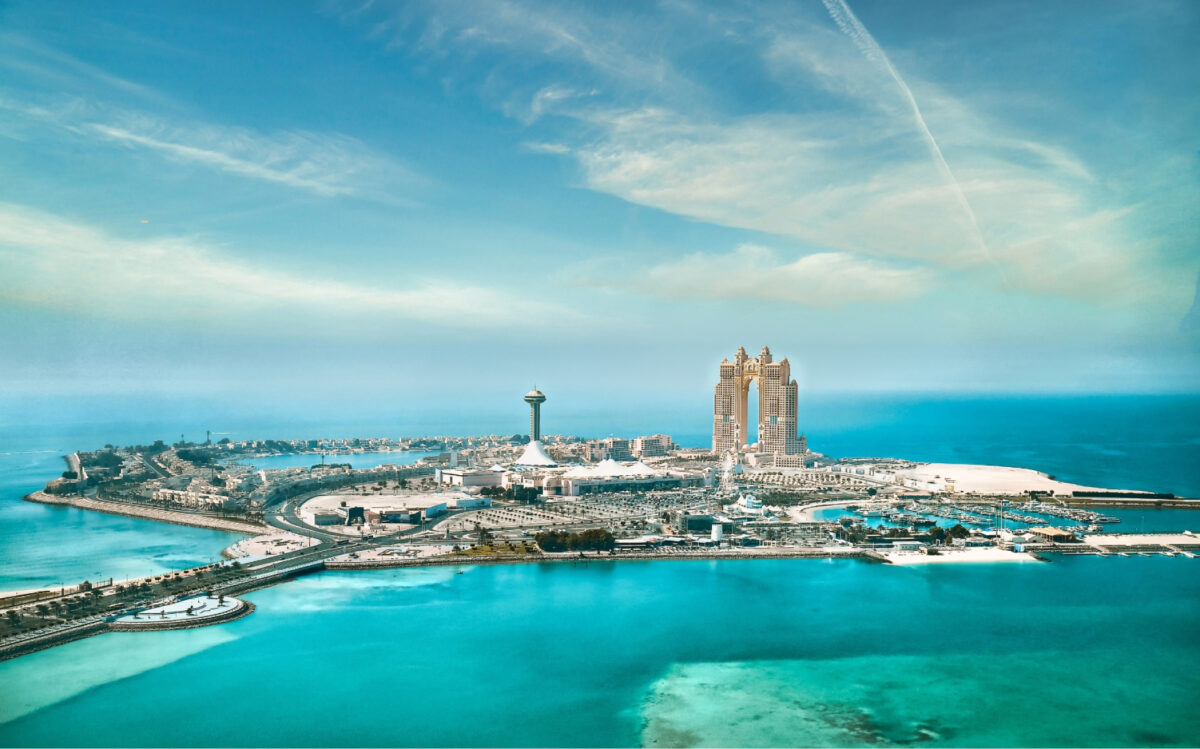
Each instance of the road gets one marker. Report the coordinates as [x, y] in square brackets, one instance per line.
[153, 466]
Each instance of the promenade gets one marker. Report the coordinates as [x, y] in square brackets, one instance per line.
[130, 509]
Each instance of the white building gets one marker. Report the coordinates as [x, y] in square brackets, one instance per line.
[750, 502]
[467, 477]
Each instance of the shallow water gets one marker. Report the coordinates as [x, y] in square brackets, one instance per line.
[1080, 651]
[48, 545]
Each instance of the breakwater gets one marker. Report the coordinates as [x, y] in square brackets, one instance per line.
[452, 559]
[148, 513]
[40, 641]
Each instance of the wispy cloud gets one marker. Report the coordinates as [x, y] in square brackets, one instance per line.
[849, 23]
[754, 272]
[845, 160]
[52, 262]
[65, 72]
[325, 164]
[611, 49]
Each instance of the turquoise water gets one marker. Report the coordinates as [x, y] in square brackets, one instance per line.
[1081, 651]
[356, 460]
[45, 545]
[1133, 520]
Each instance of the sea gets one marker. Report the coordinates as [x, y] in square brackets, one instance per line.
[1076, 651]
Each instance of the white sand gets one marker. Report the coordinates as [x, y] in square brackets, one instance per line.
[393, 553]
[962, 477]
[1142, 539]
[269, 545]
[952, 556]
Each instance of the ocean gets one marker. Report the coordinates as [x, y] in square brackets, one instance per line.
[1081, 651]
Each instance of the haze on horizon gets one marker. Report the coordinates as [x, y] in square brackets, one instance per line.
[411, 199]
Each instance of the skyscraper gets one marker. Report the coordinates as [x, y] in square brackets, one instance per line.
[778, 400]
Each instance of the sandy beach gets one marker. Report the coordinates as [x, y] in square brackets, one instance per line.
[958, 556]
[981, 479]
[267, 545]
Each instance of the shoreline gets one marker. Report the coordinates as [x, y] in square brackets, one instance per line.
[867, 555]
[148, 513]
[870, 556]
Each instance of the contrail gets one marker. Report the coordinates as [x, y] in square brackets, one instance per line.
[853, 28]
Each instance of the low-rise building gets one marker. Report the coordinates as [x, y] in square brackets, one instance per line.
[463, 503]
[1054, 535]
[328, 518]
[399, 515]
[468, 477]
[750, 502]
[610, 448]
[652, 446]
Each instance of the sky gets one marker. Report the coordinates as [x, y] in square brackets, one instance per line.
[454, 200]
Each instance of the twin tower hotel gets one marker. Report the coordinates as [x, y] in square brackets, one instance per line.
[778, 397]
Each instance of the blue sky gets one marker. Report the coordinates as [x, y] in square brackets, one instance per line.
[452, 198]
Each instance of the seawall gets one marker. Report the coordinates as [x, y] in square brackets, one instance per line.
[442, 561]
[245, 609]
[149, 513]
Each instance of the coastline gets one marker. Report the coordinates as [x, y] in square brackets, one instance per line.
[560, 558]
[148, 513]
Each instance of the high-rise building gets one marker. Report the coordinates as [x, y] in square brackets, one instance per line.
[778, 399]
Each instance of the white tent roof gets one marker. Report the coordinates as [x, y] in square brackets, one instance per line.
[498, 468]
[578, 472]
[609, 468]
[641, 469]
[535, 455]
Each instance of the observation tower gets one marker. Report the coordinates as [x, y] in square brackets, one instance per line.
[535, 398]
[535, 454]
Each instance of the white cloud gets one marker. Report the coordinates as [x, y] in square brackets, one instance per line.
[62, 71]
[611, 48]
[325, 164]
[860, 182]
[555, 149]
[52, 262]
[852, 157]
[754, 272]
